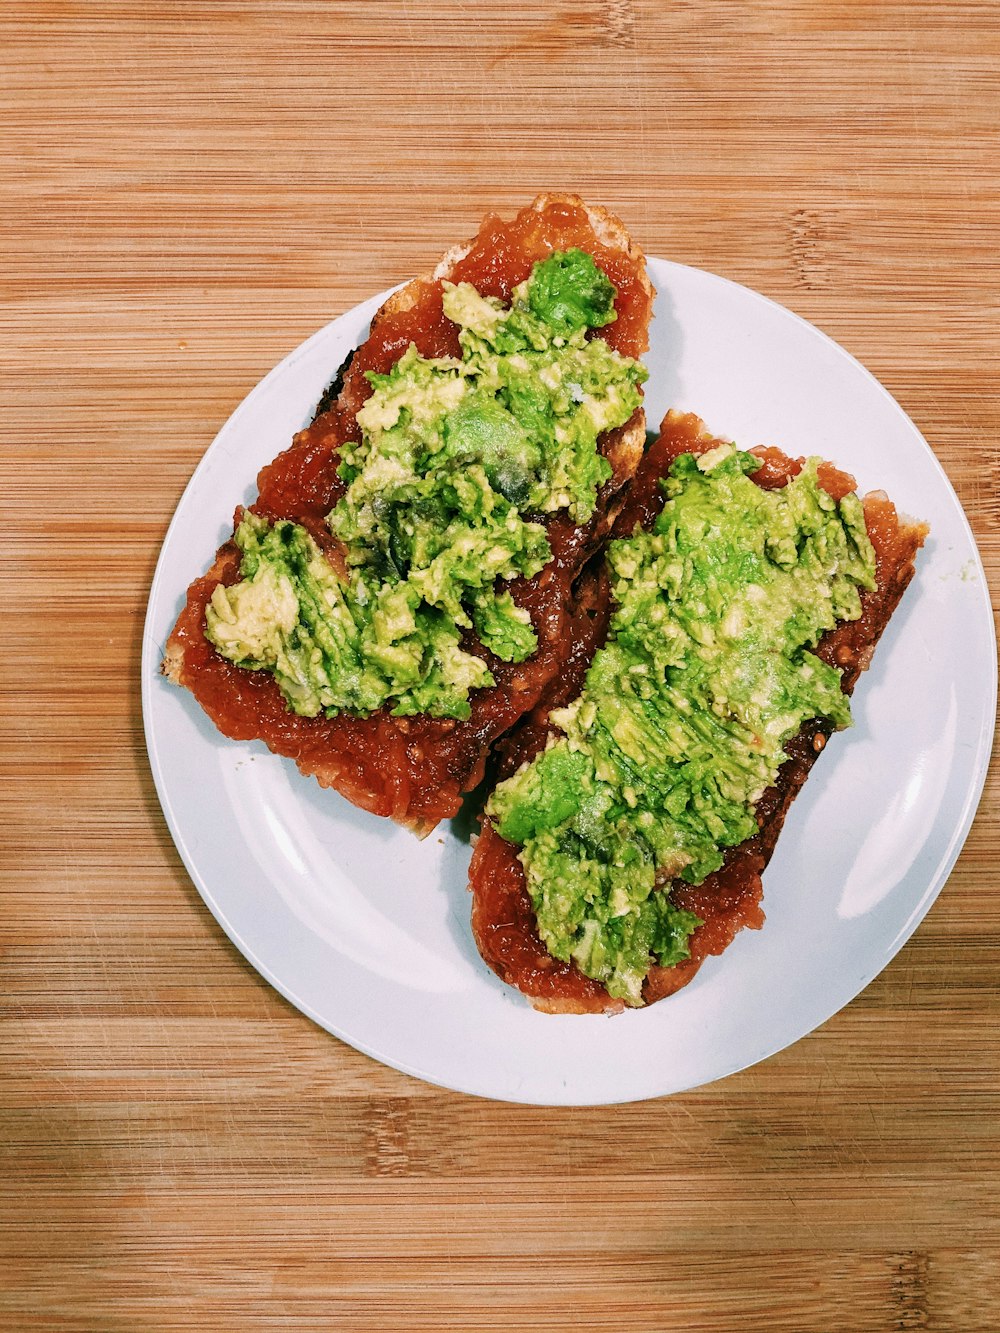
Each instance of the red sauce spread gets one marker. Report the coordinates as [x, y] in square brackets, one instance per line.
[503, 918]
[413, 769]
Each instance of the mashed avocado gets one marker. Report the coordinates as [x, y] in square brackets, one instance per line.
[681, 725]
[458, 458]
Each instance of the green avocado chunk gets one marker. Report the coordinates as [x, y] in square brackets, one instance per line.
[681, 726]
[458, 459]
[332, 645]
[571, 293]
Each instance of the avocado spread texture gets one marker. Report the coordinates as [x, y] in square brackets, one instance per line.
[459, 459]
[705, 676]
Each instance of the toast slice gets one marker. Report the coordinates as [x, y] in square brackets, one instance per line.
[415, 766]
[504, 918]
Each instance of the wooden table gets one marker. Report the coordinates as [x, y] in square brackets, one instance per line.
[189, 190]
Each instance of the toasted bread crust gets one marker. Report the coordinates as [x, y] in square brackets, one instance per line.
[416, 770]
[503, 919]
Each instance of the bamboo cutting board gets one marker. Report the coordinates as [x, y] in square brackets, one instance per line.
[189, 191]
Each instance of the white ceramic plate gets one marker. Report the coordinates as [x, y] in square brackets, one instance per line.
[366, 929]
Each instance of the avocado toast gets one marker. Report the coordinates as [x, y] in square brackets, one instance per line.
[738, 601]
[399, 593]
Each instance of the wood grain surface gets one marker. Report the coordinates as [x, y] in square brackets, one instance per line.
[189, 190]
